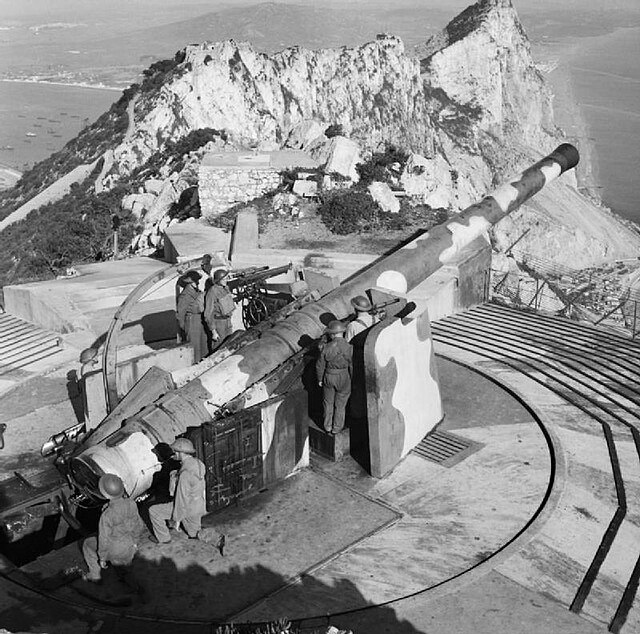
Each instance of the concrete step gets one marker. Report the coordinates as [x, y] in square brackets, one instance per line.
[23, 344]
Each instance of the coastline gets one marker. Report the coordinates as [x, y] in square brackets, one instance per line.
[596, 85]
[62, 83]
[569, 117]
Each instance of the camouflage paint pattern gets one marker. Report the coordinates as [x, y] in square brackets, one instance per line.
[403, 394]
[400, 271]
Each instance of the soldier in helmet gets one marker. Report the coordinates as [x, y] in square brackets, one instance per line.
[333, 370]
[219, 306]
[189, 314]
[205, 273]
[363, 318]
[189, 503]
[118, 532]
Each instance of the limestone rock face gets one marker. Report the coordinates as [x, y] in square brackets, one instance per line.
[138, 204]
[153, 186]
[429, 181]
[338, 155]
[382, 194]
[374, 91]
[305, 133]
[471, 105]
[482, 61]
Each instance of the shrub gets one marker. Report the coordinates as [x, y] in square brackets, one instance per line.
[348, 212]
[376, 168]
[334, 129]
[187, 206]
[75, 229]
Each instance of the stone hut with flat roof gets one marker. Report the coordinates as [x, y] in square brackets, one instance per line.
[228, 178]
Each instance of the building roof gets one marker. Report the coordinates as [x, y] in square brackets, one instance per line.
[277, 160]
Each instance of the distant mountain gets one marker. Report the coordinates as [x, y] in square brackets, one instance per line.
[273, 26]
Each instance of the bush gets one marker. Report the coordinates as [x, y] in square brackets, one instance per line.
[376, 168]
[348, 212]
[75, 229]
[334, 129]
[187, 206]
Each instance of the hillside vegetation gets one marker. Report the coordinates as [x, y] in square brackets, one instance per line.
[473, 110]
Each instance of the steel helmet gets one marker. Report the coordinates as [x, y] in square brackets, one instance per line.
[361, 303]
[110, 486]
[220, 274]
[335, 327]
[184, 445]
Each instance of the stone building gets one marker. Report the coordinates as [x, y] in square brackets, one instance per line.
[228, 178]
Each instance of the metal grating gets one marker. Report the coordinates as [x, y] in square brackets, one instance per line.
[445, 448]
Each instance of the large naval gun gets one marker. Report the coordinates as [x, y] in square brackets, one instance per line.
[242, 375]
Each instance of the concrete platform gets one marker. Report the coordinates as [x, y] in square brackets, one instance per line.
[447, 550]
[88, 301]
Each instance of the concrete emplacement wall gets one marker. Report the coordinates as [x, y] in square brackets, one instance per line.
[402, 389]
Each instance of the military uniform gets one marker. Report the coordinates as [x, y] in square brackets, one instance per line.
[189, 313]
[117, 541]
[219, 306]
[189, 503]
[333, 370]
[361, 322]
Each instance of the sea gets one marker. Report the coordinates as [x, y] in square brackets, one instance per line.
[605, 79]
[37, 119]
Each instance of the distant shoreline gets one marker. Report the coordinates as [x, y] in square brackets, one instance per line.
[62, 83]
[568, 116]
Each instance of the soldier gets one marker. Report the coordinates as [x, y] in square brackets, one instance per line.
[118, 531]
[189, 504]
[219, 307]
[363, 318]
[205, 273]
[333, 370]
[189, 313]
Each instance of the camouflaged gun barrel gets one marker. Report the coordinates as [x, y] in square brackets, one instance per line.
[128, 452]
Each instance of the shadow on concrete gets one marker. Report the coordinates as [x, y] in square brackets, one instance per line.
[159, 326]
[170, 594]
[74, 392]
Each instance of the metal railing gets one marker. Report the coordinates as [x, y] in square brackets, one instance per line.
[534, 283]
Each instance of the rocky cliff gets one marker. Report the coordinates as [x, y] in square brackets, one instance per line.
[469, 104]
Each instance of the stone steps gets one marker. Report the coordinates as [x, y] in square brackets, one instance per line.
[23, 344]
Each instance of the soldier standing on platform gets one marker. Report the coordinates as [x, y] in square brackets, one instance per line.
[333, 369]
[189, 313]
[219, 307]
[363, 318]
